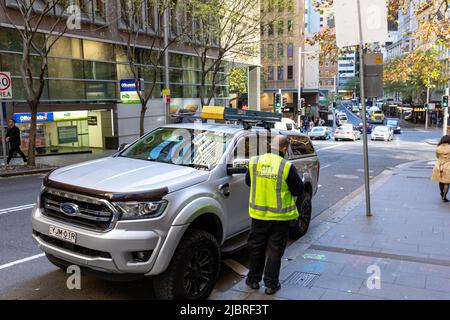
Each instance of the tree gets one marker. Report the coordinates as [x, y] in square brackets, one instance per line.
[353, 84]
[238, 81]
[32, 15]
[137, 24]
[413, 73]
[433, 23]
[219, 33]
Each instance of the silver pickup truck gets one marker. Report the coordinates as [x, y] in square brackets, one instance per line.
[168, 205]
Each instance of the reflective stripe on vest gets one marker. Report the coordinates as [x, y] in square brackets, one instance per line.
[281, 211]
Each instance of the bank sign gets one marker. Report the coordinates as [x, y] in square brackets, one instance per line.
[128, 93]
[51, 116]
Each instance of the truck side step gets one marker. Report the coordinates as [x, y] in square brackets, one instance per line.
[235, 244]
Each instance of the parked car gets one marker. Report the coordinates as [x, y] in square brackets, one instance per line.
[323, 133]
[287, 124]
[394, 125]
[407, 114]
[368, 127]
[347, 132]
[355, 108]
[382, 133]
[166, 206]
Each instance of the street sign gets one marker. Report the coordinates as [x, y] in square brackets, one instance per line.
[373, 16]
[373, 75]
[5, 85]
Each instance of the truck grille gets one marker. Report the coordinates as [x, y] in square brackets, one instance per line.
[91, 213]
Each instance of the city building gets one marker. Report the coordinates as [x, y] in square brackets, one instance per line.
[80, 108]
[281, 40]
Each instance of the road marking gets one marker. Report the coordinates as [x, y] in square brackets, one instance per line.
[325, 166]
[330, 147]
[22, 261]
[18, 208]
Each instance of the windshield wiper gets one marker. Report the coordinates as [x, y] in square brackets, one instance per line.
[194, 165]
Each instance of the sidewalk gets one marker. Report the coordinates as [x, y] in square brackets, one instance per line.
[48, 163]
[407, 238]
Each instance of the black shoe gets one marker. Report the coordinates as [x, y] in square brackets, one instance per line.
[445, 199]
[252, 285]
[272, 290]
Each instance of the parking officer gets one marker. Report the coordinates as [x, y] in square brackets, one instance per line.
[274, 183]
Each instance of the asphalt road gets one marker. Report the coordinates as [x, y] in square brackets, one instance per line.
[26, 274]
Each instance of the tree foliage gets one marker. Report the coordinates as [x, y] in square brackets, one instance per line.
[412, 73]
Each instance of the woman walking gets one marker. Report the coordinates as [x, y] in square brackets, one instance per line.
[441, 171]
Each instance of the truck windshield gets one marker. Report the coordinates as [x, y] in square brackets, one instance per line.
[180, 146]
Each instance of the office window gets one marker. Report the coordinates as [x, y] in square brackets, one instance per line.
[270, 73]
[263, 49]
[290, 50]
[270, 31]
[280, 50]
[270, 51]
[290, 27]
[280, 72]
[280, 27]
[262, 28]
[290, 72]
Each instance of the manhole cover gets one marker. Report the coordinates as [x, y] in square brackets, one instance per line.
[301, 279]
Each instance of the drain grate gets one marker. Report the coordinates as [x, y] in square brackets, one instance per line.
[301, 279]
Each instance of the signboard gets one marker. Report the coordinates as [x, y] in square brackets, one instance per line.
[51, 116]
[67, 134]
[373, 17]
[432, 106]
[373, 75]
[5, 85]
[70, 115]
[92, 120]
[166, 92]
[26, 117]
[128, 93]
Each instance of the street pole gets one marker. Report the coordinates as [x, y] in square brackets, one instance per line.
[2, 123]
[300, 78]
[428, 106]
[363, 104]
[444, 123]
[166, 59]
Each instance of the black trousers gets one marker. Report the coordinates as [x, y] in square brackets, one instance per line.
[15, 149]
[271, 236]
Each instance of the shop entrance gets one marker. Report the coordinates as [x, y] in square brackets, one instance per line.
[66, 132]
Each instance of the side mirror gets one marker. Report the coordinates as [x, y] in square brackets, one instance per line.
[123, 146]
[239, 166]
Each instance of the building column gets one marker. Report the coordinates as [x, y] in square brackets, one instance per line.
[254, 88]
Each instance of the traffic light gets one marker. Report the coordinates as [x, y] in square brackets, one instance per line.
[445, 101]
[425, 106]
[277, 101]
[302, 103]
[333, 107]
[284, 102]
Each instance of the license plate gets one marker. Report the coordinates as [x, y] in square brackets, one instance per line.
[62, 234]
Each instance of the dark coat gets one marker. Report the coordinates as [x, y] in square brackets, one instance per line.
[14, 136]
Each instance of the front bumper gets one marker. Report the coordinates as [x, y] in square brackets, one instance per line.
[109, 252]
[383, 138]
[344, 136]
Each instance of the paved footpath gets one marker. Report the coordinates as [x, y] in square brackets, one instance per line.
[401, 252]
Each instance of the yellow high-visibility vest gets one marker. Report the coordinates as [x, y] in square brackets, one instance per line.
[270, 198]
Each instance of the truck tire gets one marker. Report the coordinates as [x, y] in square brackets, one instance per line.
[301, 225]
[194, 268]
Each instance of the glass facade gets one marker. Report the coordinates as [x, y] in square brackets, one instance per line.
[86, 70]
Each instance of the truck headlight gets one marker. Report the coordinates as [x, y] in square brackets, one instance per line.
[141, 210]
